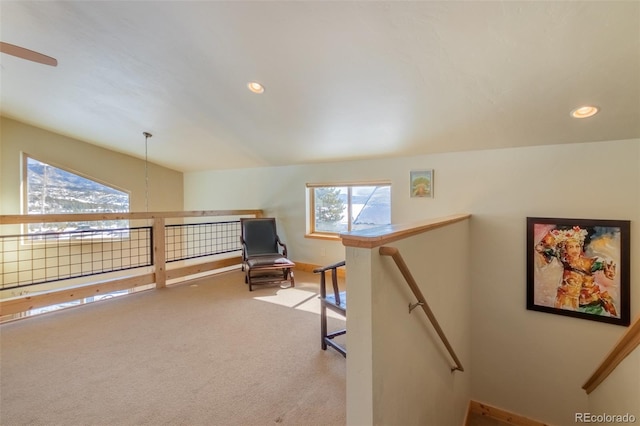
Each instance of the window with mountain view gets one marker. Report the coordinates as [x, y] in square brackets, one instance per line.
[350, 207]
[51, 190]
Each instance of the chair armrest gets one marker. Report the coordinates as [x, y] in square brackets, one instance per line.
[333, 266]
[338, 297]
[244, 249]
[283, 245]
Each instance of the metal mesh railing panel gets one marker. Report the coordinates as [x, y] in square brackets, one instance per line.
[190, 241]
[42, 258]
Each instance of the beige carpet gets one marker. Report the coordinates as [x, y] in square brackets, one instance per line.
[205, 353]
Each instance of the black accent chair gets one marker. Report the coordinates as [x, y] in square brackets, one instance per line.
[337, 302]
[264, 256]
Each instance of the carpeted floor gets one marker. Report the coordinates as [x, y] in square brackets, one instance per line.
[203, 353]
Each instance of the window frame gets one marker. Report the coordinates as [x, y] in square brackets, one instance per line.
[311, 207]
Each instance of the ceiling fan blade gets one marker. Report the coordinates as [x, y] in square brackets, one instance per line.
[27, 54]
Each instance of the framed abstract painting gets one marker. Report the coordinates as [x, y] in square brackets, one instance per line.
[579, 268]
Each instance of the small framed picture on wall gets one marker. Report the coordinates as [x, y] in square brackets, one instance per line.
[421, 183]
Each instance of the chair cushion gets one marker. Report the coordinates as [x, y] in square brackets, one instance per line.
[260, 236]
[269, 260]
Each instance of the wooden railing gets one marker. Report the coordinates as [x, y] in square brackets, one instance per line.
[627, 344]
[376, 237]
[159, 274]
[406, 273]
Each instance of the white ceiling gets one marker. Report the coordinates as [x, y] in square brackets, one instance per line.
[344, 79]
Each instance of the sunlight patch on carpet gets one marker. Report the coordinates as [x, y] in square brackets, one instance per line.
[294, 298]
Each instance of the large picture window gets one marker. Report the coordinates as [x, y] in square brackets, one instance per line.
[52, 190]
[339, 208]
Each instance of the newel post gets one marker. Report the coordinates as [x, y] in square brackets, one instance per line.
[160, 266]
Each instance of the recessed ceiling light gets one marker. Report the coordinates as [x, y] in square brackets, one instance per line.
[255, 87]
[585, 111]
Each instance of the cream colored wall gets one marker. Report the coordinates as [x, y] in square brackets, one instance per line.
[122, 171]
[412, 379]
[280, 192]
[360, 396]
[619, 394]
[1, 198]
[543, 359]
[528, 362]
[398, 370]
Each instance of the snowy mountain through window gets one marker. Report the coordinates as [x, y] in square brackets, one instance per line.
[51, 190]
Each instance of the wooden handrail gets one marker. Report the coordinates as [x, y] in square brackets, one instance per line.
[80, 217]
[629, 341]
[381, 235]
[404, 269]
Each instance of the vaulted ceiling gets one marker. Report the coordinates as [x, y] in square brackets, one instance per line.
[343, 79]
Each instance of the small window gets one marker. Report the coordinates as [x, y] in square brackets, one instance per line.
[51, 190]
[336, 209]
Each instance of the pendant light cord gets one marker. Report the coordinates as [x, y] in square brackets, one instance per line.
[147, 135]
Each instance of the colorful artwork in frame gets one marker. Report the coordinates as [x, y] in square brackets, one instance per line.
[579, 268]
[421, 183]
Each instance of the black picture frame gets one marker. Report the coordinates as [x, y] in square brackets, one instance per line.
[579, 268]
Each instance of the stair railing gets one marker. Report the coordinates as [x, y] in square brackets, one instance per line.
[629, 341]
[394, 253]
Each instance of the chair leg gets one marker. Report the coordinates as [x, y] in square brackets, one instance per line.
[248, 279]
[329, 341]
[323, 325]
[269, 275]
[287, 275]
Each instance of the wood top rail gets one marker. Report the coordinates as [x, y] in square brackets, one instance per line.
[629, 341]
[376, 237]
[404, 269]
[78, 217]
[329, 267]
